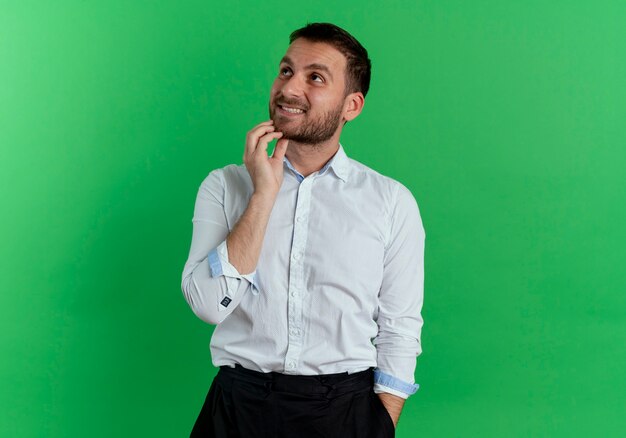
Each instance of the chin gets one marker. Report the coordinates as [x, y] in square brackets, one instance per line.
[286, 134]
[280, 125]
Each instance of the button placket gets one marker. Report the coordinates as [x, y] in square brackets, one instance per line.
[296, 276]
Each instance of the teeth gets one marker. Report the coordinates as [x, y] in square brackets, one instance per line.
[292, 110]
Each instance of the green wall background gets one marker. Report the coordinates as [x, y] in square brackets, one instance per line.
[504, 118]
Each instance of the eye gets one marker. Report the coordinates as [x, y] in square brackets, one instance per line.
[315, 75]
[283, 69]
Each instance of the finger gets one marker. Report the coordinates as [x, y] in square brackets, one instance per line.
[252, 139]
[261, 126]
[265, 123]
[280, 149]
[264, 140]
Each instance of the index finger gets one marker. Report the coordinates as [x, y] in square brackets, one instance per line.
[252, 138]
[267, 122]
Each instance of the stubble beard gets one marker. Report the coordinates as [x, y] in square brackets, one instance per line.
[310, 132]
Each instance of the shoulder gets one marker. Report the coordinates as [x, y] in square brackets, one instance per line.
[229, 185]
[231, 175]
[365, 176]
[397, 200]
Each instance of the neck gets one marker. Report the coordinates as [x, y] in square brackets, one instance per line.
[309, 158]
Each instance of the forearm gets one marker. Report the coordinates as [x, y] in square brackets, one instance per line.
[393, 376]
[394, 405]
[246, 238]
[215, 283]
[211, 284]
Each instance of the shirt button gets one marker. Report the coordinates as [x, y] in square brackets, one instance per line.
[294, 293]
[299, 218]
[294, 331]
[296, 256]
[291, 365]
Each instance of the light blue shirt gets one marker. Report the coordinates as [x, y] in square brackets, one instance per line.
[339, 282]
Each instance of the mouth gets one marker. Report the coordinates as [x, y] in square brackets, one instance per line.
[290, 111]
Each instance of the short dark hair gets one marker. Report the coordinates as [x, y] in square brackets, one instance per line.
[358, 66]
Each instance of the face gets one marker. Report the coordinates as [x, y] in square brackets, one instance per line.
[307, 97]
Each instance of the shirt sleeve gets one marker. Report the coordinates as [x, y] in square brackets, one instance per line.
[211, 285]
[401, 296]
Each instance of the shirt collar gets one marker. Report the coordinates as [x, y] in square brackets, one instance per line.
[338, 162]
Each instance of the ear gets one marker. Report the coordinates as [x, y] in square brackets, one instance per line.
[353, 105]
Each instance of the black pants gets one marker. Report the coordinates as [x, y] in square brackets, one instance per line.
[248, 404]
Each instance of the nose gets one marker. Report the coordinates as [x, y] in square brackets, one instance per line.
[293, 87]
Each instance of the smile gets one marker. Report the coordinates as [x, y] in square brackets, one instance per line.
[289, 110]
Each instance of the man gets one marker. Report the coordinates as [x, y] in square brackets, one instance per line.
[309, 263]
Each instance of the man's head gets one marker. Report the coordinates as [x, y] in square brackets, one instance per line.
[322, 79]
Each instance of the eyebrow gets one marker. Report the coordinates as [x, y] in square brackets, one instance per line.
[314, 66]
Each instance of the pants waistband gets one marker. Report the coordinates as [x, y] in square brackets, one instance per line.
[323, 384]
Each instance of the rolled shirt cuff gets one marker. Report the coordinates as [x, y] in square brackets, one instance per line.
[384, 382]
[378, 388]
[219, 265]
